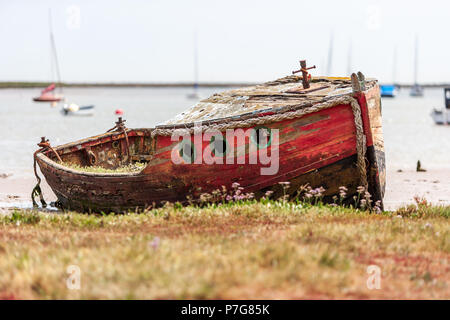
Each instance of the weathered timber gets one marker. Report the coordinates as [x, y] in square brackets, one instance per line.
[317, 148]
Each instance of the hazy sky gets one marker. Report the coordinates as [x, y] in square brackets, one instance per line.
[153, 41]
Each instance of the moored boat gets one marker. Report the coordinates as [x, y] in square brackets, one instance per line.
[388, 91]
[48, 96]
[442, 116]
[72, 109]
[321, 131]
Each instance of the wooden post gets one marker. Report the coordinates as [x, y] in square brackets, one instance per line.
[356, 85]
[362, 81]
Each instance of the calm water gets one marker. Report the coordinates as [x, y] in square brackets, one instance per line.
[409, 132]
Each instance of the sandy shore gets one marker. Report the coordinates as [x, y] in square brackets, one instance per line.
[401, 188]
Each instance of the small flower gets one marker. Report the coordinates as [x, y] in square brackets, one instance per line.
[428, 225]
[363, 203]
[286, 183]
[235, 185]
[229, 198]
[268, 193]
[360, 189]
[343, 189]
[155, 243]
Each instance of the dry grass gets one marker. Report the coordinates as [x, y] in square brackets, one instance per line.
[248, 250]
[128, 168]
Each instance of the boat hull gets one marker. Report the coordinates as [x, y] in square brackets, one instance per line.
[318, 149]
[48, 99]
[441, 117]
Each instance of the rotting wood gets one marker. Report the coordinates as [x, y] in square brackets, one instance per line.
[317, 148]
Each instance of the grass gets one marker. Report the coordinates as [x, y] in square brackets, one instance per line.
[240, 250]
[132, 167]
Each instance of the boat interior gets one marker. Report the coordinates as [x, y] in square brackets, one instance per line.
[110, 151]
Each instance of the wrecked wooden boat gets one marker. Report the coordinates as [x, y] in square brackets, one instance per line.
[321, 131]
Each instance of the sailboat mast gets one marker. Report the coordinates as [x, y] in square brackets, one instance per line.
[330, 56]
[394, 66]
[195, 61]
[416, 58]
[53, 50]
[349, 59]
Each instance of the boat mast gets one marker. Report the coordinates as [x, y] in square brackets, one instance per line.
[349, 59]
[330, 56]
[416, 58]
[394, 66]
[53, 50]
[195, 62]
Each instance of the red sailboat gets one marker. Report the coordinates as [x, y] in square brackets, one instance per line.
[47, 94]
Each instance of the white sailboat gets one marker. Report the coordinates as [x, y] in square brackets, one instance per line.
[416, 90]
[442, 116]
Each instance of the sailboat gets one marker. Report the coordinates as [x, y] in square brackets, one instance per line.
[416, 90]
[195, 94]
[47, 94]
[72, 109]
[390, 90]
[442, 116]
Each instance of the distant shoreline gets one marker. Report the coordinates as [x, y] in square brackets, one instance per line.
[20, 84]
[26, 84]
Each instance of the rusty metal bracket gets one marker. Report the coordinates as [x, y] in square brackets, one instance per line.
[44, 144]
[305, 75]
[91, 156]
[120, 126]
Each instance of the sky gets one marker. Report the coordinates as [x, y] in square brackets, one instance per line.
[238, 41]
